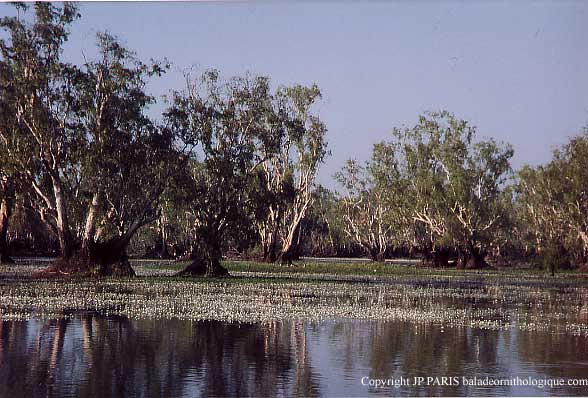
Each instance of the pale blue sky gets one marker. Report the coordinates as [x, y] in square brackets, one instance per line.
[516, 69]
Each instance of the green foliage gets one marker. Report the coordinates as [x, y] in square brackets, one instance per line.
[322, 231]
[553, 202]
[431, 186]
[374, 205]
[225, 122]
[234, 164]
[124, 156]
[91, 163]
[456, 182]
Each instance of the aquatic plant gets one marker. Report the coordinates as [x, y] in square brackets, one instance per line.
[477, 303]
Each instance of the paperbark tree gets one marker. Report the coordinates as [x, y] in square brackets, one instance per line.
[553, 204]
[288, 175]
[456, 185]
[227, 122]
[374, 207]
[40, 93]
[94, 165]
[125, 160]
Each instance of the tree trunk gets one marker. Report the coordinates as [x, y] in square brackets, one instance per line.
[206, 266]
[110, 258]
[436, 258]
[90, 228]
[96, 259]
[286, 257]
[461, 259]
[205, 261]
[476, 259]
[288, 251]
[5, 212]
[268, 244]
[377, 255]
[63, 231]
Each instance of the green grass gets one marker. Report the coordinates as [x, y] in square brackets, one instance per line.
[387, 270]
[383, 269]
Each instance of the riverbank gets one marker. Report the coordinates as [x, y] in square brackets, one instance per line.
[477, 299]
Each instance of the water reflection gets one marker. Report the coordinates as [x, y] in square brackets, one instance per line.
[93, 356]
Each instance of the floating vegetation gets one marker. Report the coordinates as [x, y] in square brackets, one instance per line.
[482, 304]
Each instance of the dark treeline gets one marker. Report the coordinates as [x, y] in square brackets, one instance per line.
[229, 169]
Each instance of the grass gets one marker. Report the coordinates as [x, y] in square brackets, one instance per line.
[366, 269]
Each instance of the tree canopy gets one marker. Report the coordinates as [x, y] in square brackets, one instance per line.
[231, 166]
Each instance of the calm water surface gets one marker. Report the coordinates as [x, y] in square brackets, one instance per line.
[96, 356]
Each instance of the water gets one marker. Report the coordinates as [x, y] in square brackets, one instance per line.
[95, 356]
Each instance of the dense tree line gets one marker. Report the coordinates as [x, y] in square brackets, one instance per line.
[229, 168]
[228, 160]
[438, 190]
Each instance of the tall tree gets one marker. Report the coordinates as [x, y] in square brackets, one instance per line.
[41, 91]
[94, 164]
[125, 160]
[289, 174]
[553, 204]
[374, 202]
[456, 185]
[226, 121]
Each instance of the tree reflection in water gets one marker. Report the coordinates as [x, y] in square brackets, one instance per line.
[93, 356]
[97, 356]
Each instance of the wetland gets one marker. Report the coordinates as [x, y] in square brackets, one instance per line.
[290, 332]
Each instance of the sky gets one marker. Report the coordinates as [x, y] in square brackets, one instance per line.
[515, 69]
